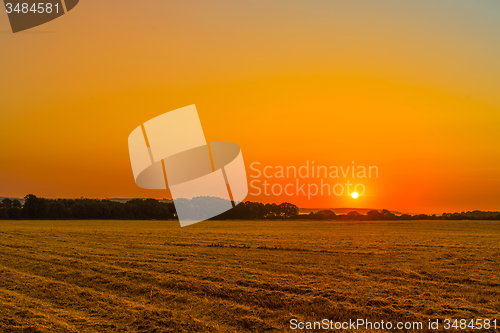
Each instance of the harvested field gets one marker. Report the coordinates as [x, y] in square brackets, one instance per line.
[242, 276]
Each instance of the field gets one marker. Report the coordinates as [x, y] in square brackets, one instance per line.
[239, 276]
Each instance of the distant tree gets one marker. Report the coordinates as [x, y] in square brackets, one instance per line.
[15, 213]
[353, 216]
[288, 211]
[3, 212]
[375, 215]
[57, 210]
[35, 208]
[324, 215]
[7, 203]
[387, 215]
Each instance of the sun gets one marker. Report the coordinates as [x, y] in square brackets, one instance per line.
[354, 195]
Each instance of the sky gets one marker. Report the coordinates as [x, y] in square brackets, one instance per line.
[410, 87]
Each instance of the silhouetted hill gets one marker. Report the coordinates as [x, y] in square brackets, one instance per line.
[124, 200]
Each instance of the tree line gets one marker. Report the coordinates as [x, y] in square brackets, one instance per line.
[35, 208]
[376, 215]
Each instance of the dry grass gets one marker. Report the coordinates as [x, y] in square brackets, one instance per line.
[237, 276]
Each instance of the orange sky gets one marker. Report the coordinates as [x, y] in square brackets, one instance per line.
[410, 88]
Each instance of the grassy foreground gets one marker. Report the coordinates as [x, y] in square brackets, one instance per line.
[237, 276]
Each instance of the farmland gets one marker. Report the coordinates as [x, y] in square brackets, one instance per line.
[237, 276]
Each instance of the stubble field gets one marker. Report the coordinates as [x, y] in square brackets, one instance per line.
[242, 276]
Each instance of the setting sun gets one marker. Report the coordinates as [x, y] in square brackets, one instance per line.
[354, 195]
